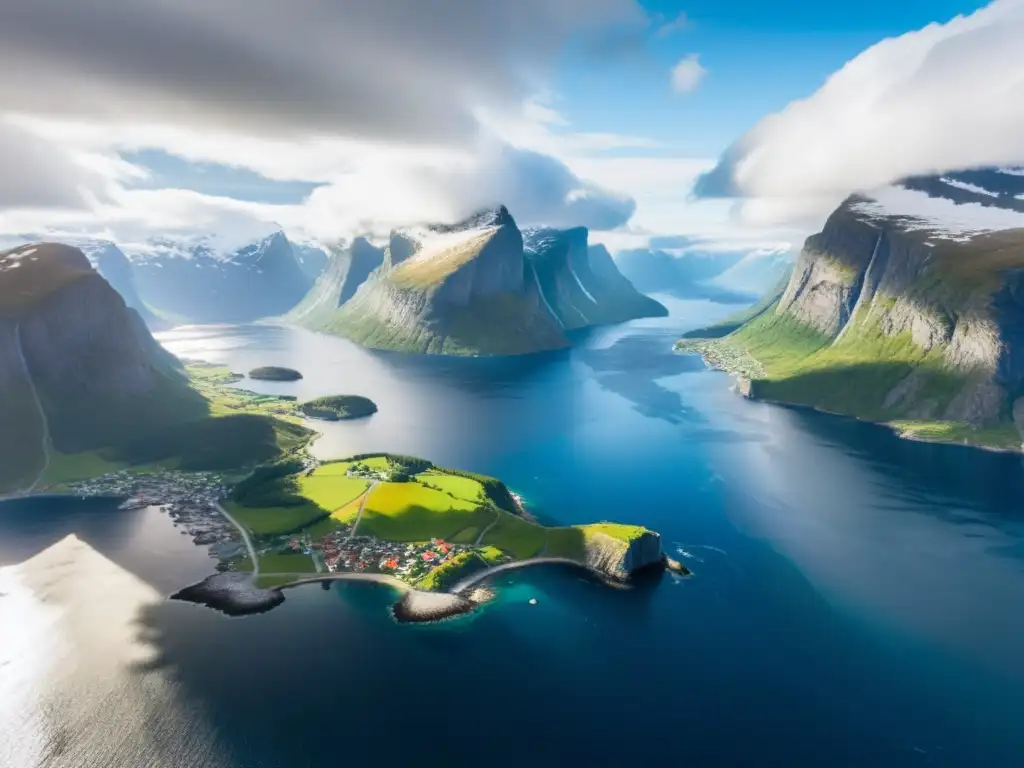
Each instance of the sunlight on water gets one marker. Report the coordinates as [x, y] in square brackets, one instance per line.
[77, 652]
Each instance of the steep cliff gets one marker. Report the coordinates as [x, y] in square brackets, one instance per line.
[348, 269]
[578, 294]
[621, 556]
[200, 282]
[478, 287]
[907, 308]
[78, 369]
[116, 269]
[458, 289]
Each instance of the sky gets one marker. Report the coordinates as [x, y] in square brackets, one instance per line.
[720, 126]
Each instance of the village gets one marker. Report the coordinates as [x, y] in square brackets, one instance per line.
[339, 551]
[191, 499]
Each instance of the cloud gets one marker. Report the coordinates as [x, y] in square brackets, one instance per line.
[403, 70]
[948, 96]
[667, 28]
[688, 74]
[36, 174]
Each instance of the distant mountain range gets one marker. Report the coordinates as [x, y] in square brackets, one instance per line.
[723, 277]
[478, 287]
[907, 308]
[194, 282]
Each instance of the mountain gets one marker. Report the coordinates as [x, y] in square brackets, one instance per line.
[687, 276]
[756, 272]
[78, 368]
[312, 259]
[907, 308]
[347, 269]
[116, 269]
[580, 284]
[197, 281]
[478, 287]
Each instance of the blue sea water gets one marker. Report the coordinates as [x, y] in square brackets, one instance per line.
[856, 598]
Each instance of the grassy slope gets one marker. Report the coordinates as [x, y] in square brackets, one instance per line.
[434, 504]
[794, 363]
[241, 429]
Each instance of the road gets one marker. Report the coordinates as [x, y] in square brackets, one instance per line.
[246, 538]
[483, 533]
[42, 414]
[362, 506]
[379, 578]
[479, 576]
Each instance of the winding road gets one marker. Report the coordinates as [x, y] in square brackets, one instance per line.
[362, 506]
[484, 532]
[479, 576]
[246, 538]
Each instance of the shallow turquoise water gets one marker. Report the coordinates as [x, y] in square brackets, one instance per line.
[856, 598]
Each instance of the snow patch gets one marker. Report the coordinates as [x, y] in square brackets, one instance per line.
[968, 187]
[943, 218]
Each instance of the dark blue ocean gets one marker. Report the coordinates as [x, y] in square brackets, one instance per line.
[858, 600]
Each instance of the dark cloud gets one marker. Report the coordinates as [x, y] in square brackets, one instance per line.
[408, 70]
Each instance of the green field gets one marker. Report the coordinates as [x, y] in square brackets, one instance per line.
[331, 491]
[520, 538]
[273, 521]
[454, 507]
[464, 488]
[410, 512]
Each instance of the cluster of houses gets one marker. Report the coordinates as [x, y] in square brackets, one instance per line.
[372, 555]
[166, 489]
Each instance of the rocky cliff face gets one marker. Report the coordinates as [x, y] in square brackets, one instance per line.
[116, 269]
[480, 287]
[579, 294]
[200, 283]
[619, 559]
[451, 289]
[348, 269]
[78, 368]
[917, 292]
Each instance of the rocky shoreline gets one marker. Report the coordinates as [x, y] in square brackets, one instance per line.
[231, 593]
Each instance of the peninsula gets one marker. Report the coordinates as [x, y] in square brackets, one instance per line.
[432, 534]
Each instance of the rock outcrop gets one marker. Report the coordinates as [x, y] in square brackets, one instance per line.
[907, 306]
[621, 559]
[473, 288]
[78, 368]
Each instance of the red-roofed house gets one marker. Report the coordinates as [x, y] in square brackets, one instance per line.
[428, 556]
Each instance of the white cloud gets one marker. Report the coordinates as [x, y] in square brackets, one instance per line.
[688, 74]
[946, 97]
[672, 26]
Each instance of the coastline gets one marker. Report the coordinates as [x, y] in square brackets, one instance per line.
[743, 387]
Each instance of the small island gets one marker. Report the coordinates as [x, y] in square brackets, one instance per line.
[274, 373]
[433, 535]
[338, 407]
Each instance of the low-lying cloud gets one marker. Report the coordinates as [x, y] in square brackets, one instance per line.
[948, 96]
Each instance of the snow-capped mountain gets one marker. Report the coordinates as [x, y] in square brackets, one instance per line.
[206, 280]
